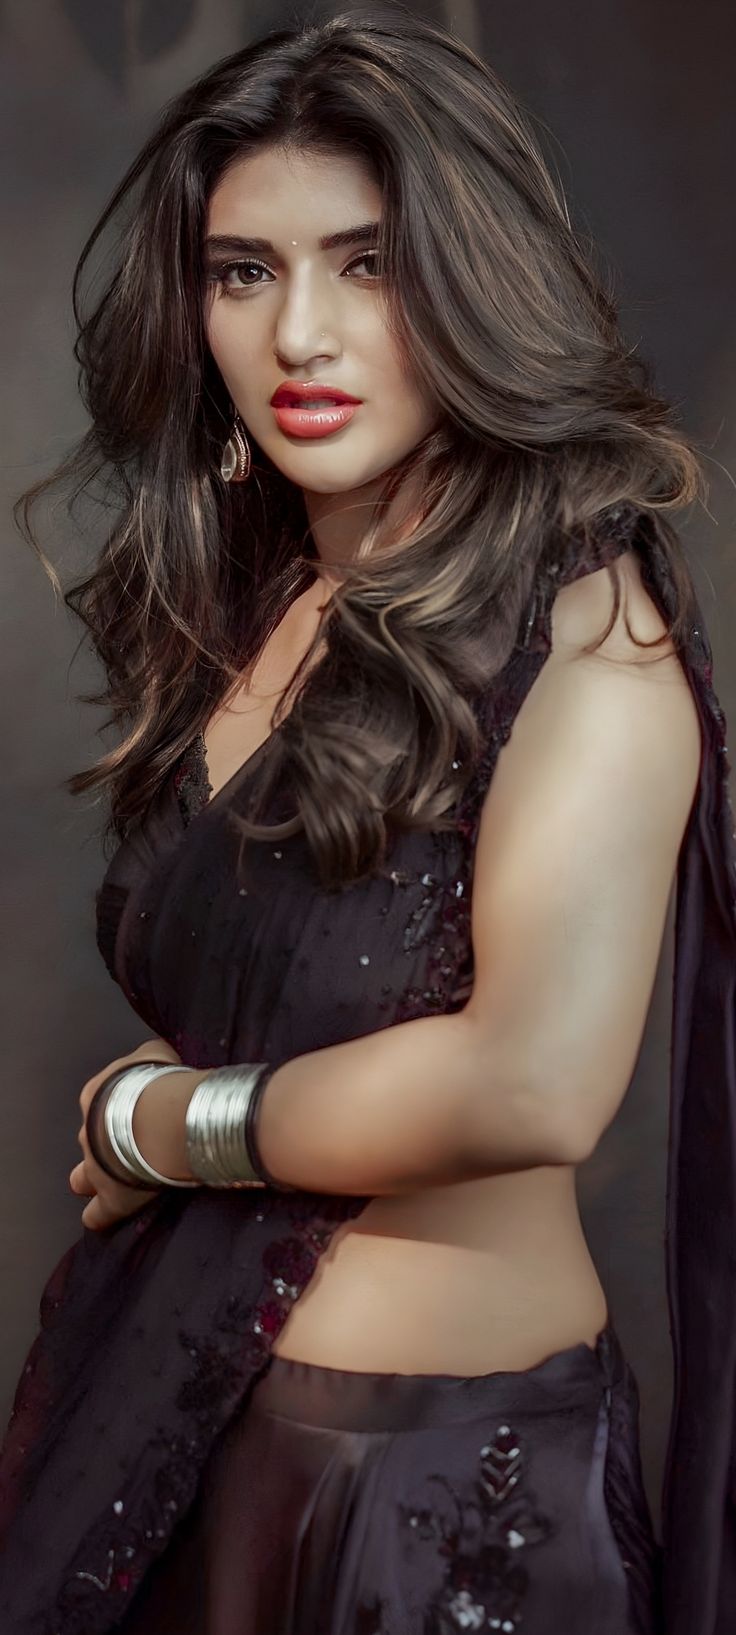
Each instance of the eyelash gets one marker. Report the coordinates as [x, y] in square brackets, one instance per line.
[220, 275]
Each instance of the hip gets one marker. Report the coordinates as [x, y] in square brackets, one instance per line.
[417, 1505]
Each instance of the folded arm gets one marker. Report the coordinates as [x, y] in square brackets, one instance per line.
[575, 858]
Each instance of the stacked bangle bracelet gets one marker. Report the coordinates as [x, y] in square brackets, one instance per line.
[111, 1110]
[221, 1116]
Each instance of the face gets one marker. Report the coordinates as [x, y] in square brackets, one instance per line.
[301, 311]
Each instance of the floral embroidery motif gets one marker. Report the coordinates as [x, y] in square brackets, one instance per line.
[113, 1559]
[484, 1539]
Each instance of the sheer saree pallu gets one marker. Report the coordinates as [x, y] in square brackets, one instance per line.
[155, 1336]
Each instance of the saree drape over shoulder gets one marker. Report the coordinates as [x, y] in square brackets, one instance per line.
[153, 1334]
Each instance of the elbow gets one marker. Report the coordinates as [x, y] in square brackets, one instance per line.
[529, 1127]
[523, 1129]
[524, 1120]
[562, 1121]
[573, 1140]
[558, 1134]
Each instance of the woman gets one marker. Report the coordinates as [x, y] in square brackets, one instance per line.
[344, 1362]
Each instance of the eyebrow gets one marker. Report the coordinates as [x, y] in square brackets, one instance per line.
[229, 242]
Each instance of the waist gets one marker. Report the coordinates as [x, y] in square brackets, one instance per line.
[374, 1399]
[449, 1285]
[530, 1216]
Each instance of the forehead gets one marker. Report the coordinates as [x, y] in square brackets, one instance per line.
[293, 194]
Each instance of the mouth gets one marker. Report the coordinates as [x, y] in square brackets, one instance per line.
[317, 417]
[310, 396]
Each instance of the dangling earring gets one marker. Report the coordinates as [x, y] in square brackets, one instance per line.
[235, 462]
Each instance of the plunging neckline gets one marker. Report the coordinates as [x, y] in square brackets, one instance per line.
[195, 762]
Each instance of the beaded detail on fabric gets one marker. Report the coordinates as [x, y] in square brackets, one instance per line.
[437, 915]
[483, 1537]
[114, 1558]
[191, 781]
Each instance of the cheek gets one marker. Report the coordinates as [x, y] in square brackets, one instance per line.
[228, 344]
[415, 414]
[398, 389]
[216, 347]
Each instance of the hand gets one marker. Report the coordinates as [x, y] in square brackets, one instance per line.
[110, 1200]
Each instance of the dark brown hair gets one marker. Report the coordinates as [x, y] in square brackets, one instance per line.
[546, 420]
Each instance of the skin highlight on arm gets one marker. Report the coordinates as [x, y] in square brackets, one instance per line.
[576, 852]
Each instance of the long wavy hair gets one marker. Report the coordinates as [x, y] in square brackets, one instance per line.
[546, 420]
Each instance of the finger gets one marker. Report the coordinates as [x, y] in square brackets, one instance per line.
[80, 1182]
[81, 1191]
[83, 1141]
[87, 1091]
[96, 1217]
[100, 1213]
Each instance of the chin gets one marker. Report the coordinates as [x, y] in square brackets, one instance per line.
[337, 481]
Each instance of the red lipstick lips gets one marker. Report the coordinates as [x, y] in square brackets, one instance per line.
[312, 409]
[293, 393]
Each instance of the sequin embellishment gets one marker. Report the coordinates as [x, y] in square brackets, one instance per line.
[113, 1559]
[191, 780]
[484, 1539]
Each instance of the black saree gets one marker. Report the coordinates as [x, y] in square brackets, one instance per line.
[154, 1335]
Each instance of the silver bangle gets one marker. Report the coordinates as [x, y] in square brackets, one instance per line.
[216, 1124]
[119, 1110]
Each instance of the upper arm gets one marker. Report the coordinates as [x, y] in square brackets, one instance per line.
[575, 858]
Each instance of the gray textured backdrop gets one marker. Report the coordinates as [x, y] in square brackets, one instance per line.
[637, 100]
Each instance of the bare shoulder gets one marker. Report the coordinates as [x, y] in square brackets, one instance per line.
[580, 614]
[576, 853]
[582, 609]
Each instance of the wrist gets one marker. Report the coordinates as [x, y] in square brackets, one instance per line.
[159, 1121]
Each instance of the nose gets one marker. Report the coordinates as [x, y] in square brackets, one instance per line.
[299, 337]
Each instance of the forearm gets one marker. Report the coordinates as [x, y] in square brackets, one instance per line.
[415, 1105]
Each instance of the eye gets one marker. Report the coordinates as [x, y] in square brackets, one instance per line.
[240, 286]
[220, 275]
[368, 255]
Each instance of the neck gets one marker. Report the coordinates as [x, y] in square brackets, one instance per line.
[338, 522]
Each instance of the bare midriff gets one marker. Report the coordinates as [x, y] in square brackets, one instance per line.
[463, 1279]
